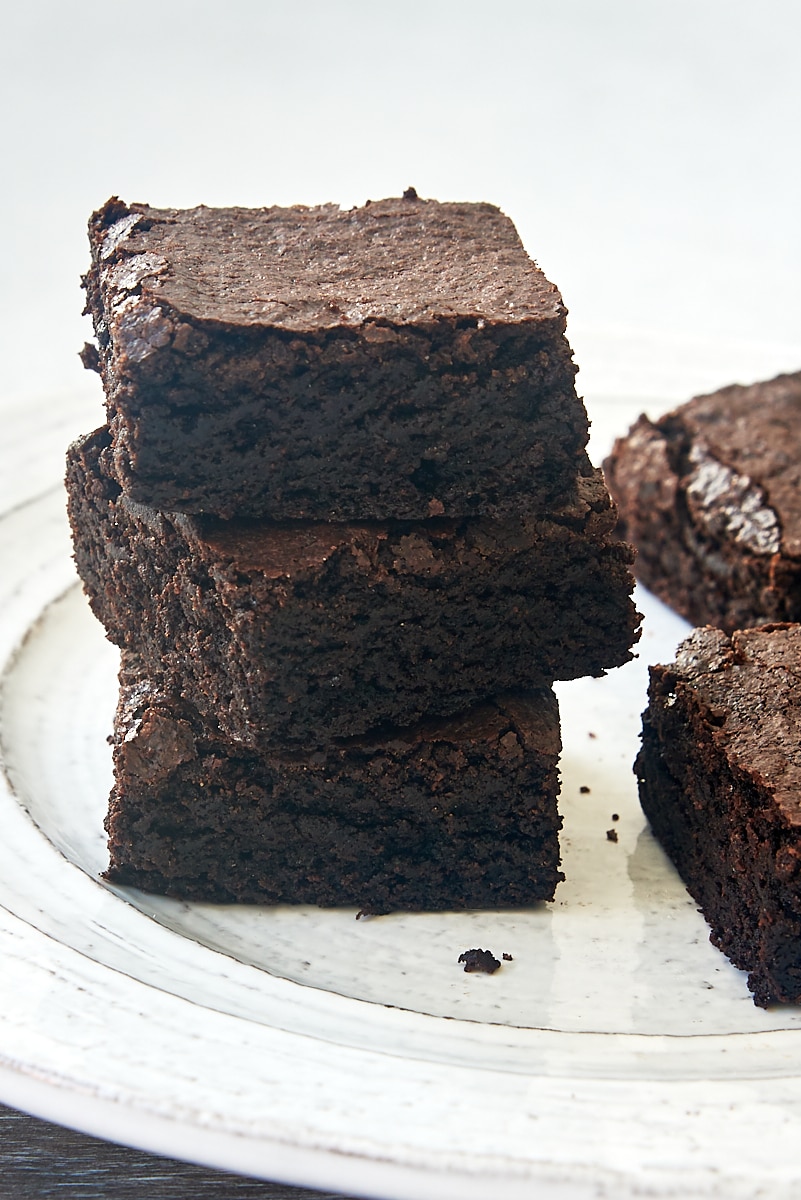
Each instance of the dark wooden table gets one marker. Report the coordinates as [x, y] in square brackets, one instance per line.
[40, 1161]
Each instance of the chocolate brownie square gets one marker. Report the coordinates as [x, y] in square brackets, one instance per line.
[303, 632]
[404, 359]
[711, 497]
[448, 815]
[720, 782]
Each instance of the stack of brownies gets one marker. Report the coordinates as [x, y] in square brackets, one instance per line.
[342, 524]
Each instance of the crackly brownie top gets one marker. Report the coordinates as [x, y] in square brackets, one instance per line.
[749, 686]
[739, 451]
[399, 261]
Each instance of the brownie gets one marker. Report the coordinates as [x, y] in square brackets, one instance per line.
[479, 960]
[720, 782]
[404, 359]
[303, 632]
[449, 815]
[711, 496]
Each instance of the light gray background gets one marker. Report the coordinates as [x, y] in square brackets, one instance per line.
[647, 150]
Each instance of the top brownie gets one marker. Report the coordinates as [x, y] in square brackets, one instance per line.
[710, 494]
[404, 359]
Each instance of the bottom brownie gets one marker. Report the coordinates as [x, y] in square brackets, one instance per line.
[720, 782]
[457, 813]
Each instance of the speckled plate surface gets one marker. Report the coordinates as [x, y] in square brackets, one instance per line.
[616, 1053]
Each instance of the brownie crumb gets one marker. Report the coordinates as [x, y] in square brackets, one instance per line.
[90, 357]
[411, 194]
[507, 957]
[584, 789]
[615, 816]
[592, 735]
[611, 835]
[479, 960]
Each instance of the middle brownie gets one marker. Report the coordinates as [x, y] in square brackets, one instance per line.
[305, 633]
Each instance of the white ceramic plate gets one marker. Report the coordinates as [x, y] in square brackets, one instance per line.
[618, 1052]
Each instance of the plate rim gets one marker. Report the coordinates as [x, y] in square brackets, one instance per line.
[32, 1088]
